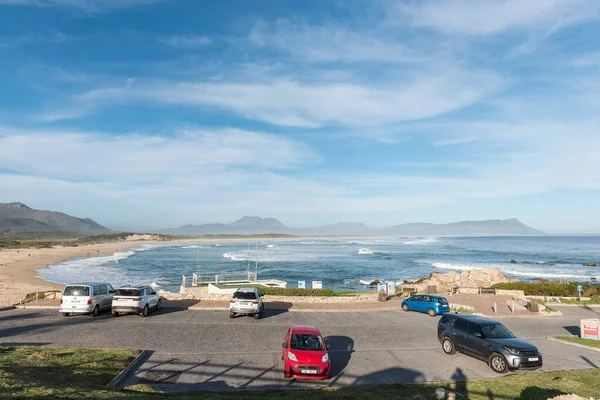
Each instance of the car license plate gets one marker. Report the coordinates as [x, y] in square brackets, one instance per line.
[533, 359]
[73, 307]
[308, 371]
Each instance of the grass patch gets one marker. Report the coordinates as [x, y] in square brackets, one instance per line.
[552, 288]
[578, 340]
[58, 373]
[593, 300]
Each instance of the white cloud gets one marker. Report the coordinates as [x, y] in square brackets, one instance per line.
[330, 43]
[189, 42]
[136, 157]
[86, 6]
[291, 103]
[482, 17]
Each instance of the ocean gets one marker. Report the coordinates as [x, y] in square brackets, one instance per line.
[340, 262]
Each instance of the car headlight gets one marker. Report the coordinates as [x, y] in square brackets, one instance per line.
[291, 356]
[325, 358]
[511, 350]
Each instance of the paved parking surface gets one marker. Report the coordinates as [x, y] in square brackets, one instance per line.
[204, 350]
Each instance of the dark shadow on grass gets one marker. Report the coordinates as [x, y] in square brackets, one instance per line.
[536, 393]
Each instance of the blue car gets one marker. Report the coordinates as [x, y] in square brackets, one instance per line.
[427, 303]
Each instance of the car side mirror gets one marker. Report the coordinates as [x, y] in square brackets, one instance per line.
[285, 345]
[112, 292]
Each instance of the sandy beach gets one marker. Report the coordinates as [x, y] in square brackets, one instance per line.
[19, 267]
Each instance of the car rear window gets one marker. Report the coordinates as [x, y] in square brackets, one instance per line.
[127, 292]
[303, 341]
[442, 300]
[244, 295]
[446, 319]
[77, 291]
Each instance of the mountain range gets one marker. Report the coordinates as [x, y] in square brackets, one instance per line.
[257, 225]
[18, 218]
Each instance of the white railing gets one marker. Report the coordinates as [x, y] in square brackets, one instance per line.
[197, 280]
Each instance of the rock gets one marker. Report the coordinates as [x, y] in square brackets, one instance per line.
[473, 278]
[513, 261]
[590, 265]
[444, 394]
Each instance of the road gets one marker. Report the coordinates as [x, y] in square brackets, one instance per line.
[204, 350]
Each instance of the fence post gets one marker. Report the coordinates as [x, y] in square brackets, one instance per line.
[513, 307]
[37, 295]
[216, 279]
[495, 308]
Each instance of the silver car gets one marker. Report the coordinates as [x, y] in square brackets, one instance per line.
[86, 298]
[135, 300]
[246, 301]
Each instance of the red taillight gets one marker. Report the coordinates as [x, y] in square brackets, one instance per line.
[232, 301]
[255, 302]
[60, 301]
[89, 302]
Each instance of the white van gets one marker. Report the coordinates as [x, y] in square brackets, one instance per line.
[86, 298]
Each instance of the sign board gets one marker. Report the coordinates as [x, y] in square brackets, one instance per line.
[317, 284]
[382, 287]
[579, 288]
[590, 329]
[391, 288]
[301, 284]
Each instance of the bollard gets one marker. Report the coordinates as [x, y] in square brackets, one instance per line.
[37, 295]
[495, 308]
[513, 307]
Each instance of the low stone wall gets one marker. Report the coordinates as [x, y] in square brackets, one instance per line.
[463, 290]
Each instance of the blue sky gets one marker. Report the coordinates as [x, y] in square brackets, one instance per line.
[147, 114]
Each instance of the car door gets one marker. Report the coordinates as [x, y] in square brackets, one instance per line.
[459, 331]
[426, 302]
[285, 344]
[152, 298]
[475, 342]
[415, 303]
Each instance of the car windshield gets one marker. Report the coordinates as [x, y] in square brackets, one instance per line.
[77, 291]
[127, 292]
[496, 331]
[303, 341]
[244, 295]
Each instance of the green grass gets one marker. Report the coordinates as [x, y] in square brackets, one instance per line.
[58, 373]
[578, 340]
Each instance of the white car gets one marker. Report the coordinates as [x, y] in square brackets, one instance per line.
[135, 300]
[246, 301]
[86, 298]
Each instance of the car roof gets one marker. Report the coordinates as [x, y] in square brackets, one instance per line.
[246, 290]
[426, 294]
[87, 284]
[473, 318]
[305, 329]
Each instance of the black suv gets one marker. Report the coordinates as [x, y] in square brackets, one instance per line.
[487, 340]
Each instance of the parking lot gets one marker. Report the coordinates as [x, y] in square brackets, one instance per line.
[205, 350]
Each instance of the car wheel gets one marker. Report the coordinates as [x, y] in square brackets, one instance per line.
[66, 314]
[115, 314]
[431, 312]
[256, 316]
[231, 315]
[405, 307]
[498, 363]
[145, 312]
[158, 306]
[96, 311]
[448, 346]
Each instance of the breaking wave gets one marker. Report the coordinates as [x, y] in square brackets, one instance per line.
[427, 240]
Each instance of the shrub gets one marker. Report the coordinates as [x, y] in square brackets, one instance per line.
[274, 291]
[551, 288]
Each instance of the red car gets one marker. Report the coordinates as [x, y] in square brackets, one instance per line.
[304, 354]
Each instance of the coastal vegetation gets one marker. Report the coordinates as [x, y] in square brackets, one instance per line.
[552, 288]
[60, 373]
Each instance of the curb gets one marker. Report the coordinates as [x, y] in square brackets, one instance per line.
[117, 379]
[553, 339]
[37, 307]
[572, 305]
[195, 308]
